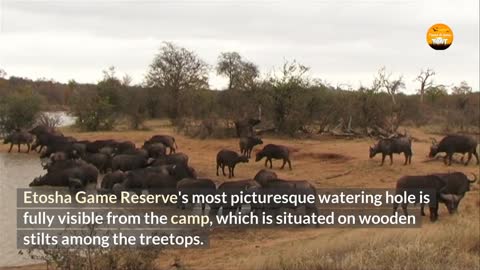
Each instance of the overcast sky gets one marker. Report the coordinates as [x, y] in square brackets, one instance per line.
[343, 41]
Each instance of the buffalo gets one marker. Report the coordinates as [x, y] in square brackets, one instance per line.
[451, 144]
[191, 186]
[235, 187]
[68, 176]
[264, 175]
[127, 162]
[273, 151]
[457, 184]
[247, 144]
[282, 187]
[391, 146]
[167, 140]
[155, 150]
[173, 159]
[230, 159]
[446, 188]
[18, 137]
[101, 161]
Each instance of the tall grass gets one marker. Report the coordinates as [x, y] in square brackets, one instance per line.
[453, 243]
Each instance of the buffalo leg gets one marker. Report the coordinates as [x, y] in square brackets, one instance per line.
[283, 165]
[434, 211]
[11, 146]
[266, 162]
[28, 148]
[476, 156]
[469, 158]
[271, 165]
[232, 169]
[218, 165]
[18, 147]
[223, 169]
[422, 209]
[450, 155]
[406, 159]
[289, 164]
[404, 207]
[391, 159]
[383, 159]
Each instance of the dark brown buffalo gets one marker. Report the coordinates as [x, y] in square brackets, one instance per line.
[172, 159]
[282, 187]
[101, 161]
[445, 188]
[235, 187]
[167, 140]
[18, 137]
[191, 186]
[67, 175]
[230, 159]
[391, 146]
[95, 146]
[451, 144]
[273, 151]
[265, 175]
[155, 150]
[128, 162]
[457, 184]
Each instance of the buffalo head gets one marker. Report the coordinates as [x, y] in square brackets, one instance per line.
[433, 148]
[451, 201]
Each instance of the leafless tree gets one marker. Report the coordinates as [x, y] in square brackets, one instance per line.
[426, 81]
[383, 81]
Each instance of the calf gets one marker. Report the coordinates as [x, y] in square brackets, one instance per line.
[230, 159]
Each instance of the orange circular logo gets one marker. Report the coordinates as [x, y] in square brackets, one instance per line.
[439, 36]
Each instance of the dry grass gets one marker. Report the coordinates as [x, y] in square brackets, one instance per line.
[451, 243]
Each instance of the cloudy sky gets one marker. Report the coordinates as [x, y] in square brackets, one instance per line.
[343, 41]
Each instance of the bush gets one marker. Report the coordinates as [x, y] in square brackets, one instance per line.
[19, 110]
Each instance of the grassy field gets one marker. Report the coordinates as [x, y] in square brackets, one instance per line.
[451, 243]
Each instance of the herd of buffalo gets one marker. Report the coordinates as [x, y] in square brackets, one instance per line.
[158, 166]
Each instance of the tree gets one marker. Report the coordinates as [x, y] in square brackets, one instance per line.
[462, 89]
[176, 69]
[288, 87]
[383, 81]
[241, 74]
[98, 108]
[426, 81]
[19, 109]
[435, 92]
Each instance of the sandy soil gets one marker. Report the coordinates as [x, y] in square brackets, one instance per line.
[314, 159]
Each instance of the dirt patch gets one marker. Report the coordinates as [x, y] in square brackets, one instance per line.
[331, 157]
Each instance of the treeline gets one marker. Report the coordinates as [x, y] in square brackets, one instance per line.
[288, 100]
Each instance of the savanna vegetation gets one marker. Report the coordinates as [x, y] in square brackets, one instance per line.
[288, 100]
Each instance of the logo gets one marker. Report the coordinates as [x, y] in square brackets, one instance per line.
[439, 36]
